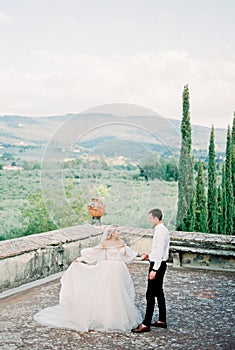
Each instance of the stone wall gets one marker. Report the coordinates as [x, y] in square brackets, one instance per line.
[189, 249]
[30, 258]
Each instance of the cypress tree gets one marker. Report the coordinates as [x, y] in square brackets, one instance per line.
[191, 215]
[223, 223]
[212, 204]
[220, 210]
[200, 202]
[233, 167]
[185, 183]
[229, 184]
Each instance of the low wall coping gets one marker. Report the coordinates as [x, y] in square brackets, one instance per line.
[17, 246]
[179, 239]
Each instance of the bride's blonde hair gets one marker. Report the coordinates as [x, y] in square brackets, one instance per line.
[110, 230]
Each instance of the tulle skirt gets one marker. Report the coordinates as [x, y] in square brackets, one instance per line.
[99, 297]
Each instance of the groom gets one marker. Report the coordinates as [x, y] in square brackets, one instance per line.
[157, 269]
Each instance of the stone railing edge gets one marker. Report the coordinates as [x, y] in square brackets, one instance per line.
[29, 258]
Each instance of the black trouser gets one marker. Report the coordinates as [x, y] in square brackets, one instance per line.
[155, 289]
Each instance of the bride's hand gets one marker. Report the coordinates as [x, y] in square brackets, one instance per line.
[80, 259]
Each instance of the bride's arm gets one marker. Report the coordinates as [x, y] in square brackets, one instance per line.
[92, 255]
[129, 254]
[79, 259]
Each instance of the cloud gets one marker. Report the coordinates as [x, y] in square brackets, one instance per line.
[122, 24]
[72, 83]
[6, 19]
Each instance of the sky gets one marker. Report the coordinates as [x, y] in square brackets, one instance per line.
[66, 56]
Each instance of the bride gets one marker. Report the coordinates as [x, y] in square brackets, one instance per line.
[97, 297]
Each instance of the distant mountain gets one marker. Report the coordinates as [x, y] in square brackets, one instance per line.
[16, 130]
[102, 132]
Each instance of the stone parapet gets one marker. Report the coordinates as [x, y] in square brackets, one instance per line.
[29, 258]
[189, 249]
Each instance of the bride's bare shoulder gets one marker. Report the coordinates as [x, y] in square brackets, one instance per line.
[105, 244]
[113, 244]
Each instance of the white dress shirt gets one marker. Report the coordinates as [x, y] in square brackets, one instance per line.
[160, 246]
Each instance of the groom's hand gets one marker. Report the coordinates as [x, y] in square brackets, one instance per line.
[144, 257]
[152, 275]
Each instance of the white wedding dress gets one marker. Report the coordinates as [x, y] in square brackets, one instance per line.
[96, 297]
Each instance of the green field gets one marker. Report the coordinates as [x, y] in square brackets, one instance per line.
[15, 186]
[128, 200]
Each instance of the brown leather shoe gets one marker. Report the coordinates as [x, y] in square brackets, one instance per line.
[160, 324]
[141, 329]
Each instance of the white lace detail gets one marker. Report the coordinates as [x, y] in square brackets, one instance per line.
[115, 254]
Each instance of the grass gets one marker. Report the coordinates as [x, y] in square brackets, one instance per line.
[128, 201]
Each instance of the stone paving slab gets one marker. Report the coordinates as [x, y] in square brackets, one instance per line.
[200, 309]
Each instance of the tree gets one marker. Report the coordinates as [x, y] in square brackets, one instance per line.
[152, 167]
[220, 210]
[200, 202]
[172, 173]
[233, 166]
[223, 223]
[185, 183]
[212, 204]
[229, 184]
[192, 214]
[36, 217]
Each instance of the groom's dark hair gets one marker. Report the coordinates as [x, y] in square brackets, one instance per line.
[157, 213]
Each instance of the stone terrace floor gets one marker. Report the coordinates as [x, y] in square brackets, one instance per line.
[200, 309]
